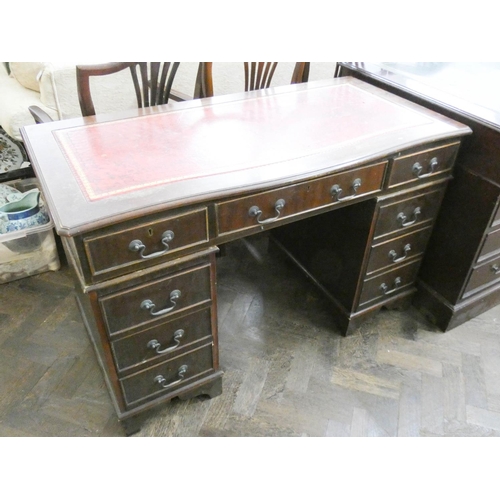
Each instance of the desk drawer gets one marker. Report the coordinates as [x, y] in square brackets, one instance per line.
[243, 213]
[422, 165]
[162, 341]
[387, 285]
[155, 300]
[167, 377]
[144, 244]
[397, 250]
[401, 214]
[491, 245]
[484, 275]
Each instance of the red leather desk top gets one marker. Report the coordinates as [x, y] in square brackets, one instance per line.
[127, 155]
[99, 170]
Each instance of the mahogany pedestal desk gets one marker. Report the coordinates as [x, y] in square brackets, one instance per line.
[347, 177]
[460, 275]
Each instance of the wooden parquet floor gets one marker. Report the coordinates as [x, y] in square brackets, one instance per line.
[288, 371]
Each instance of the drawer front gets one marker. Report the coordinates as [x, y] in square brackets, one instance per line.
[144, 244]
[398, 250]
[422, 165]
[260, 209]
[409, 213]
[389, 284]
[167, 377]
[155, 300]
[496, 217]
[484, 275]
[491, 245]
[162, 341]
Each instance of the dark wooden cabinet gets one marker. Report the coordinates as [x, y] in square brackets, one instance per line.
[459, 279]
[367, 255]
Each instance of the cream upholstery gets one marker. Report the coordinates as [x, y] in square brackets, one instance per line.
[14, 102]
[27, 74]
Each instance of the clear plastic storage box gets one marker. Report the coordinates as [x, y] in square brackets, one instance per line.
[28, 251]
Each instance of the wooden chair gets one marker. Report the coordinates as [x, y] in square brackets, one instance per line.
[152, 84]
[258, 75]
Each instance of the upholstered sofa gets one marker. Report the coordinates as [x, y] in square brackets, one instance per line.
[27, 84]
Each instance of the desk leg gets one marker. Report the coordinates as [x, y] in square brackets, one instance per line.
[132, 425]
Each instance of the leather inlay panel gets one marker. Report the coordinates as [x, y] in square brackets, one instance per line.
[209, 140]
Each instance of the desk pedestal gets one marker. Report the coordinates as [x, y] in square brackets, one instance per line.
[367, 255]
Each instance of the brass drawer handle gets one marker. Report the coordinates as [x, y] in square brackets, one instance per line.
[403, 218]
[139, 246]
[160, 379]
[149, 305]
[155, 345]
[387, 291]
[495, 268]
[394, 256]
[336, 191]
[255, 211]
[417, 168]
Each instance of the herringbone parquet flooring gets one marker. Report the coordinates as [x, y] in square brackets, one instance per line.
[288, 372]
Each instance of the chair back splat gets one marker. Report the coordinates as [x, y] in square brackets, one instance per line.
[258, 75]
[152, 82]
